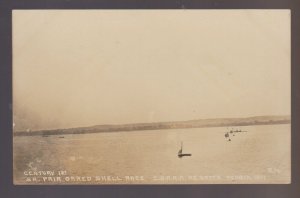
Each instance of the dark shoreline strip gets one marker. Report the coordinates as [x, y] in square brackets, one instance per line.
[141, 127]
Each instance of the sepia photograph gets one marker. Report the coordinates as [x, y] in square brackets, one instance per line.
[151, 96]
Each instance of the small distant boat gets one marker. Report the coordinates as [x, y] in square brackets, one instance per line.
[236, 131]
[227, 135]
[61, 137]
[180, 154]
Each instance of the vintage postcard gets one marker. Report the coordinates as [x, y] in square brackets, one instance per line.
[151, 97]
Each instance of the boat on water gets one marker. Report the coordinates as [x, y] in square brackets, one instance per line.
[236, 131]
[181, 154]
[227, 136]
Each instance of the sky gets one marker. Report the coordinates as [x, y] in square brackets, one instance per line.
[87, 67]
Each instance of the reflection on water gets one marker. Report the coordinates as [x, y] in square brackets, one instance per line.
[262, 151]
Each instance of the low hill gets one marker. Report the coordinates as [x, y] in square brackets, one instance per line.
[202, 123]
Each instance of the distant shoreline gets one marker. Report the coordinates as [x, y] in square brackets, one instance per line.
[202, 123]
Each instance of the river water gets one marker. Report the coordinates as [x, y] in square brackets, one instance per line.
[260, 155]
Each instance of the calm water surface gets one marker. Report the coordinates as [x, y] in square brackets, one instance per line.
[260, 155]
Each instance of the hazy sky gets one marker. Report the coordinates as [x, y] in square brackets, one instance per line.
[79, 68]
